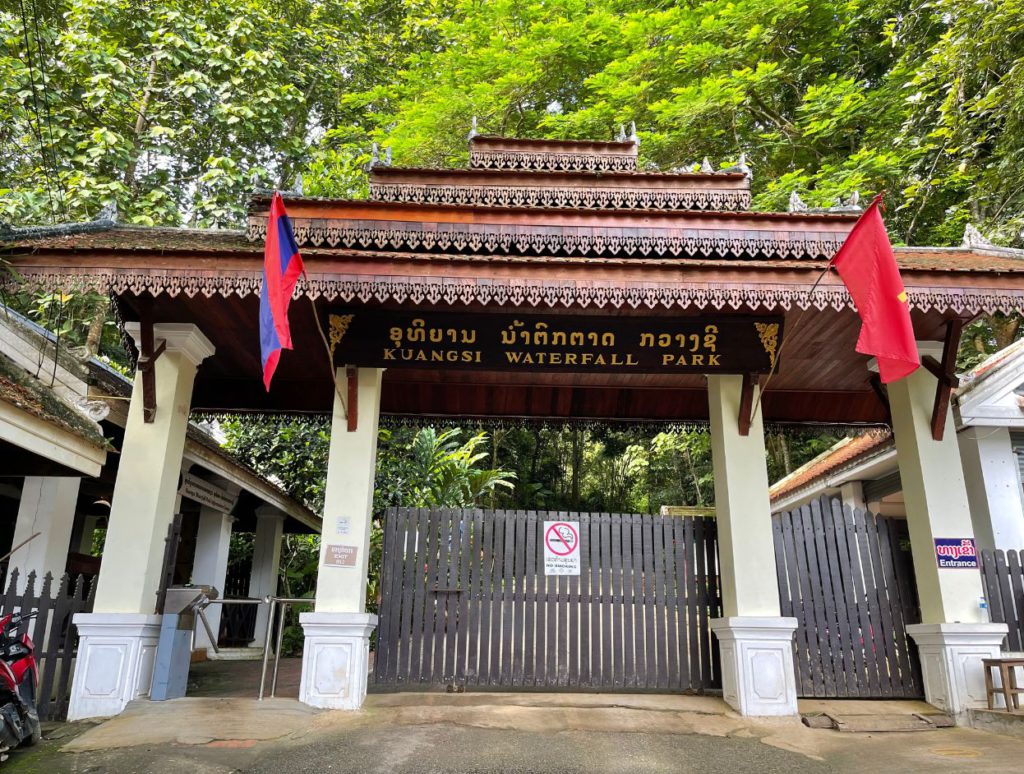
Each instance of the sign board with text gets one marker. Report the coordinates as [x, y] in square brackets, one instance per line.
[724, 344]
[956, 553]
[340, 556]
[561, 548]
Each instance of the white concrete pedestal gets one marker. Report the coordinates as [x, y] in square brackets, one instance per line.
[757, 664]
[335, 659]
[116, 652]
[951, 656]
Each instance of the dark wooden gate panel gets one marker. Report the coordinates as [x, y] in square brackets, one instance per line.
[1003, 575]
[466, 604]
[846, 578]
[53, 632]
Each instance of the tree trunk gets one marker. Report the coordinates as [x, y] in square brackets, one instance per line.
[577, 463]
[141, 123]
[95, 335]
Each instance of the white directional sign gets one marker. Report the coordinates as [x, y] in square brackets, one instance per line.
[561, 548]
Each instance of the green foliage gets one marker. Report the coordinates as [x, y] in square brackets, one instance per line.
[174, 110]
[825, 98]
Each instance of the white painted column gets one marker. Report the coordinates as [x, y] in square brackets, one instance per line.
[992, 477]
[210, 565]
[756, 641]
[335, 659]
[852, 495]
[48, 507]
[118, 640]
[266, 563]
[954, 634]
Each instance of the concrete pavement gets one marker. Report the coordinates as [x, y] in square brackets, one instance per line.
[485, 733]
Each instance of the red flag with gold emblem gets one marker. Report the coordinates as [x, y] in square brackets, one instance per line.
[868, 268]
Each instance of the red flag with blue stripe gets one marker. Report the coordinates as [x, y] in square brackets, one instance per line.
[282, 266]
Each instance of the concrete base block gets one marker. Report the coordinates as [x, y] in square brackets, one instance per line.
[951, 655]
[758, 675]
[335, 659]
[116, 652]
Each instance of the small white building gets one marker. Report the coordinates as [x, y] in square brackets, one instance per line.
[62, 420]
[989, 411]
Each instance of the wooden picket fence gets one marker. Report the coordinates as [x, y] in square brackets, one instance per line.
[846, 577]
[52, 631]
[1003, 575]
[466, 603]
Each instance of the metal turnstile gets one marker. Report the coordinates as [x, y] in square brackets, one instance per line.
[182, 605]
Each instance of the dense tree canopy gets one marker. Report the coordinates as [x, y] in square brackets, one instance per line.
[177, 109]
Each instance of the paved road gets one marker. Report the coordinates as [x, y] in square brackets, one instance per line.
[487, 734]
[433, 749]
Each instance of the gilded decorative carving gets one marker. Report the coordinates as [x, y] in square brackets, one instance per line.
[338, 328]
[769, 334]
[576, 198]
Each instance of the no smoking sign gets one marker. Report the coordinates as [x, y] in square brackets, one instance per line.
[561, 548]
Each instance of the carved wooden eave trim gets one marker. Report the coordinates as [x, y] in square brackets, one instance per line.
[563, 197]
[544, 160]
[507, 240]
[525, 292]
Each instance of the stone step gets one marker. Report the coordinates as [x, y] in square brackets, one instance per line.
[879, 723]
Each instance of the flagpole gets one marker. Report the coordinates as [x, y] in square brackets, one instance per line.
[786, 338]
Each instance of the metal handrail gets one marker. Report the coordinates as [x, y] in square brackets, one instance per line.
[283, 602]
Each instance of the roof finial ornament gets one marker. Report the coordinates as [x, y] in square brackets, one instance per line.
[299, 185]
[796, 204]
[621, 136]
[740, 166]
[974, 238]
[854, 201]
[706, 168]
[108, 213]
[472, 129]
[387, 156]
[632, 133]
[374, 155]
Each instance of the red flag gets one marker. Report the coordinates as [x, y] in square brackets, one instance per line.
[868, 268]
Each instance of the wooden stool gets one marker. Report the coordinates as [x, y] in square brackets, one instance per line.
[1007, 681]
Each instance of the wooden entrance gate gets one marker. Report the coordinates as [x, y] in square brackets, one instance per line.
[848, 580]
[466, 604]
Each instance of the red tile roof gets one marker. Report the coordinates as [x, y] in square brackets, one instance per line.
[845, 452]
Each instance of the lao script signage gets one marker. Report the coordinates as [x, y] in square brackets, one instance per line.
[561, 548]
[523, 342]
[206, 493]
[956, 553]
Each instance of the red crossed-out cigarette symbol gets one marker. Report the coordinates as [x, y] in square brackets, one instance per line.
[561, 538]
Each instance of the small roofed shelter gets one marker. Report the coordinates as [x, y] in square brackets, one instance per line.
[864, 471]
[548, 280]
[62, 433]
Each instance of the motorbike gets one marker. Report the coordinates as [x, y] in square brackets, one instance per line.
[19, 678]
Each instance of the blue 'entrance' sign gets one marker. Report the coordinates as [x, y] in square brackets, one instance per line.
[956, 553]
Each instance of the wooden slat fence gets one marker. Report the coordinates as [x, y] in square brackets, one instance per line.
[846, 578]
[53, 634]
[466, 604]
[1003, 576]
